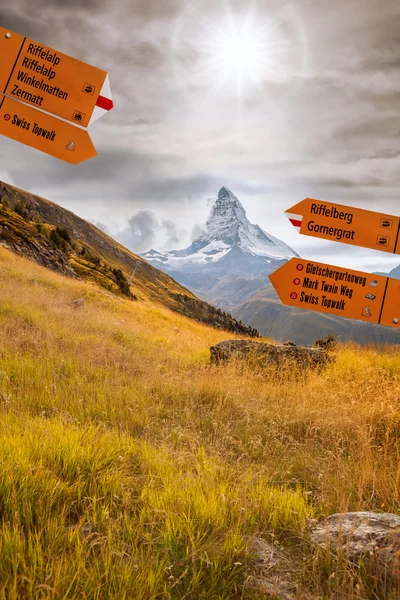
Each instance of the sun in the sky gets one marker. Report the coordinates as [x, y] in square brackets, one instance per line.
[235, 50]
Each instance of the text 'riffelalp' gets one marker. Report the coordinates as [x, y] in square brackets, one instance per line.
[52, 58]
[46, 55]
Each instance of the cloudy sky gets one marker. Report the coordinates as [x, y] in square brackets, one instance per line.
[275, 100]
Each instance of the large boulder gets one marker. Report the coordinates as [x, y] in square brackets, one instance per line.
[265, 353]
[373, 538]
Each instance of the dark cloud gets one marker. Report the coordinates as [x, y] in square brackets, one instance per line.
[144, 229]
[175, 188]
[23, 22]
[154, 9]
[377, 128]
[118, 166]
[88, 5]
[92, 6]
[171, 231]
[338, 183]
[385, 154]
[146, 55]
[329, 129]
[143, 122]
[349, 183]
[141, 232]
[143, 8]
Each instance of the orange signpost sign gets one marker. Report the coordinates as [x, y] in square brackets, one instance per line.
[349, 225]
[338, 291]
[44, 132]
[44, 78]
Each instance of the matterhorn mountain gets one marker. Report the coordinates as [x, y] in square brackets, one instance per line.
[230, 260]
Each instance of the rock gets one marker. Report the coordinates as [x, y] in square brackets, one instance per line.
[272, 572]
[367, 536]
[78, 303]
[264, 352]
[85, 530]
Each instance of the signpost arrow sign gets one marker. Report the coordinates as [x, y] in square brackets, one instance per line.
[345, 224]
[44, 132]
[44, 78]
[338, 291]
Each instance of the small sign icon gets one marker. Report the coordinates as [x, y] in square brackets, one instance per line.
[88, 88]
[7, 117]
[78, 116]
[293, 295]
[374, 283]
[366, 312]
[382, 240]
[386, 223]
[300, 267]
[71, 146]
[370, 297]
[296, 281]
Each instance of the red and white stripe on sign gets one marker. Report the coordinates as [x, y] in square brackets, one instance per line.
[296, 220]
[104, 102]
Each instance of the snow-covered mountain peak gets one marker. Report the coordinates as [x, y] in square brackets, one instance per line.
[229, 225]
[226, 218]
[227, 210]
[228, 235]
[225, 193]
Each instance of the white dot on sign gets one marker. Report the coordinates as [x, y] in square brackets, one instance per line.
[8, 35]
[395, 320]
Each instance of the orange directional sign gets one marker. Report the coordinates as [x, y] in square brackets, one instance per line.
[44, 132]
[346, 224]
[54, 82]
[337, 291]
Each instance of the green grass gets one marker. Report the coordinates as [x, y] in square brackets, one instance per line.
[87, 511]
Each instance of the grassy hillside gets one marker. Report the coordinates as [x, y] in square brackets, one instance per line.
[132, 468]
[60, 240]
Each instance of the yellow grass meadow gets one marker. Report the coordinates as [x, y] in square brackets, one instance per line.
[132, 468]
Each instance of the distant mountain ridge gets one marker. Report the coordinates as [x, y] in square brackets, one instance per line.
[394, 273]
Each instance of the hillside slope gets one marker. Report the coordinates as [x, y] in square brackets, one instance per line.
[58, 239]
[130, 467]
